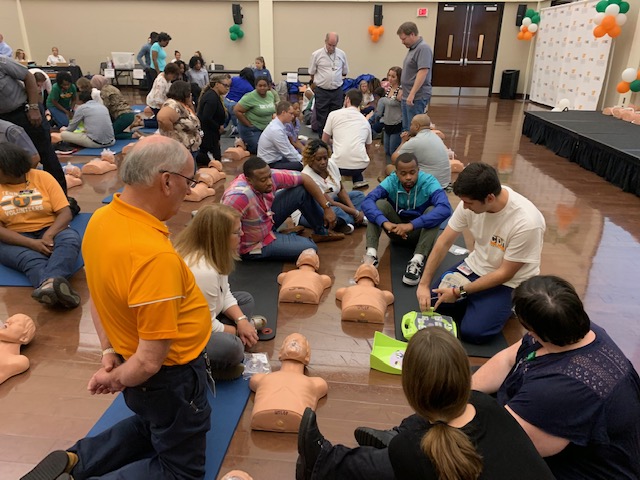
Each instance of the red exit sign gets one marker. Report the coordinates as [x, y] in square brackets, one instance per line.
[423, 12]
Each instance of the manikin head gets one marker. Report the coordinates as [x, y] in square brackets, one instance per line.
[295, 347]
[309, 257]
[18, 328]
[367, 271]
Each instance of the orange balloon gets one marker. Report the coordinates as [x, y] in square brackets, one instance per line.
[521, 35]
[599, 31]
[615, 31]
[608, 22]
[381, 29]
[623, 87]
[638, 74]
[371, 29]
[527, 35]
[375, 37]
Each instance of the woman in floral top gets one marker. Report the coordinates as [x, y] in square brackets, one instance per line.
[176, 118]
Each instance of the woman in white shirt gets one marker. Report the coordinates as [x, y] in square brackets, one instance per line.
[209, 246]
[55, 58]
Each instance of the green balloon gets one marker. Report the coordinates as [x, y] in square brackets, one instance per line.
[536, 18]
[602, 6]
[635, 86]
[240, 33]
[530, 13]
[233, 36]
[618, 2]
[624, 7]
[232, 29]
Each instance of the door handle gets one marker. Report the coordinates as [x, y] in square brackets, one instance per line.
[449, 46]
[480, 46]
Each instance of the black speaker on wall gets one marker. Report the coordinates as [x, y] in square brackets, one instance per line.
[377, 15]
[522, 10]
[236, 10]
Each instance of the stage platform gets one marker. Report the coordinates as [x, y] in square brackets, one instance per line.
[602, 144]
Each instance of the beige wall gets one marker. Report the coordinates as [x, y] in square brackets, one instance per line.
[10, 26]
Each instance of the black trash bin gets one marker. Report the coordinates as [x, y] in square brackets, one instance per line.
[509, 85]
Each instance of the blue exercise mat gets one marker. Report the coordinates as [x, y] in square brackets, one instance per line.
[115, 148]
[109, 198]
[138, 108]
[226, 410]
[13, 278]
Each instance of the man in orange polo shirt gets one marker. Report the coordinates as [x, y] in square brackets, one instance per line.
[153, 323]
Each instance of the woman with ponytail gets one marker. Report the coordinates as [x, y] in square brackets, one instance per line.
[455, 434]
[212, 115]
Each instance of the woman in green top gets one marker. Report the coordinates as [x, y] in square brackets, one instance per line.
[254, 111]
[62, 99]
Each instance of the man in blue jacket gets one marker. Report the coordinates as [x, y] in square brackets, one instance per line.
[409, 205]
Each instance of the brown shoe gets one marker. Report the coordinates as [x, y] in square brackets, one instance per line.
[329, 237]
[298, 229]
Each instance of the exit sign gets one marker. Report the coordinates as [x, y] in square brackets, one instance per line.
[423, 12]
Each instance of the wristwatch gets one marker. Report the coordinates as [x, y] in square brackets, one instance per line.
[31, 106]
[241, 317]
[463, 292]
[327, 205]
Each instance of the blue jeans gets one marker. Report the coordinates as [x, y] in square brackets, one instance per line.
[38, 267]
[288, 247]
[229, 104]
[250, 137]
[343, 217]
[59, 116]
[354, 173]
[391, 143]
[166, 438]
[481, 315]
[153, 121]
[287, 165]
[408, 112]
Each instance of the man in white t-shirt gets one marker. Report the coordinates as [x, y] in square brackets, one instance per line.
[508, 232]
[351, 135]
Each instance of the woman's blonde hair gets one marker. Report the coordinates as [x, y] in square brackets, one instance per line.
[437, 383]
[208, 236]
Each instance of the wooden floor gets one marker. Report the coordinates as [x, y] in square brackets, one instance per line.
[592, 239]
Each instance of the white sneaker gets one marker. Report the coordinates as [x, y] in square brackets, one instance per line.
[413, 273]
[370, 260]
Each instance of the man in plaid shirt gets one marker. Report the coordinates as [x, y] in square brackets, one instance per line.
[265, 198]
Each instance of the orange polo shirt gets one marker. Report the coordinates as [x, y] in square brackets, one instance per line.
[140, 286]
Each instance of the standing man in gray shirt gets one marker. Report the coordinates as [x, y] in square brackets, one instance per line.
[327, 68]
[416, 73]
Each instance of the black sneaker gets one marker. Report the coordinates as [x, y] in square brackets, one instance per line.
[309, 445]
[63, 148]
[67, 296]
[73, 205]
[370, 437]
[413, 273]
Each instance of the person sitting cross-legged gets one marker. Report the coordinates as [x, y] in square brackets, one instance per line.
[409, 205]
[274, 146]
[265, 198]
[96, 122]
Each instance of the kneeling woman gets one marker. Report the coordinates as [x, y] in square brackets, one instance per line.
[35, 237]
[209, 246]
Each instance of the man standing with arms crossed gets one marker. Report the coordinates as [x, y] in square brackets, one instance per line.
[327, 68]
[153, 323]
[416, 73]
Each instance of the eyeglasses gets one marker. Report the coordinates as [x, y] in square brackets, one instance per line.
[192, 182]
[227, 85]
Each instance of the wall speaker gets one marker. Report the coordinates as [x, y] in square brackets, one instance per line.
[236, 10]
[377, 15]
[522, 10]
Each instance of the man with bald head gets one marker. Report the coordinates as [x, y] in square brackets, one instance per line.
[153, 324]
[327, 68]
[428, 148]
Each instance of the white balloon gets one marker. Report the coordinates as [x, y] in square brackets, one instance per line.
[598, 18]
[526, 21]
[613, 9]
[629, 74]
[621, 19]
[533, 28]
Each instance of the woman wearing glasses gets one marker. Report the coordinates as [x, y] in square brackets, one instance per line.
[209, 246]
[212, 115]
[177, 120]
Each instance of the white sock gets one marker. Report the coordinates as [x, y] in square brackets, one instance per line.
[372, 251]
[417, 258]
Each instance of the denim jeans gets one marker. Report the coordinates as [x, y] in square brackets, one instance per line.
[250, 137]
[288, 247]
[287, 165]
[408, 112]
[229, 104]
[343, 217]
[59, 116]
[166, 438]
[38, 267]
[391, 143]
[354, 173]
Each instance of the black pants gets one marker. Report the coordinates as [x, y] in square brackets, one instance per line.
[326, 102]
[210, 143]
[41, 138]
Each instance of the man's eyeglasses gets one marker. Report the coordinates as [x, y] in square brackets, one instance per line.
[227, 85]
[192, 182]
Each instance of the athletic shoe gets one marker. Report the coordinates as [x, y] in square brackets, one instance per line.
[63, 148]
[346, 228]
[309, 445]
[67, 296]
[370, 437]
[370, 259]
[413, 273]
[362, 184]
[234, 132]
[54, 465]
[45, 294]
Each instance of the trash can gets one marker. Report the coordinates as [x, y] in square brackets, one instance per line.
[509, 85]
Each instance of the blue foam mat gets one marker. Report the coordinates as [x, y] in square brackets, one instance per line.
[109, 198]
[13, 278]
[116, 148]
[139, 108]
[226, 410]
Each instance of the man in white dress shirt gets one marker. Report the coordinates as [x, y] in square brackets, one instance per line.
[274, 146]
[327, 68]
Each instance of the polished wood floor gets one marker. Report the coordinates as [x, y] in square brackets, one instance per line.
[592, 239]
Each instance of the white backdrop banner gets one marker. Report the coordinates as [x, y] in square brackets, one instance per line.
[569, 61]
